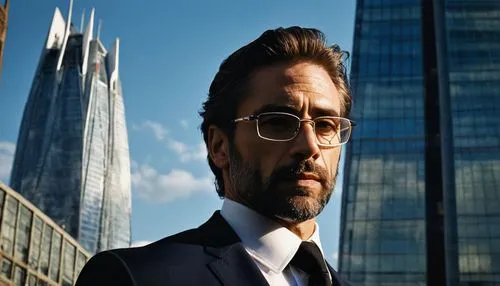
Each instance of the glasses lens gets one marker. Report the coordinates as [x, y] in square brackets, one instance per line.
[277, 126]
[332, 131]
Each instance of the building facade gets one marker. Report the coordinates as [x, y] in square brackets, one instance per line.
[72, 159]
[422, 178]
[34, 250]
[4, 17]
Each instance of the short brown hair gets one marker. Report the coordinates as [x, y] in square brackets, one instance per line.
[293, 44]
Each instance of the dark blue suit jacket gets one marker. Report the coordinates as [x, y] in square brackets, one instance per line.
[211, 254]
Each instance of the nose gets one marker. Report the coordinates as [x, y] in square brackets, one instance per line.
[305, 144]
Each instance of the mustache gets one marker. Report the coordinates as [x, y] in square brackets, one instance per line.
[294, 170]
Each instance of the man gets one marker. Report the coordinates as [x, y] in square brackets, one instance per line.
[273, 124]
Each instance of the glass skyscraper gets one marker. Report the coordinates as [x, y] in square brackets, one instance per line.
[72, 159]
[421, 200]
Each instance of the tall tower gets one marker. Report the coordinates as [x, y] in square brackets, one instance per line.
[4, 17]
[422, 179]
[72, 158]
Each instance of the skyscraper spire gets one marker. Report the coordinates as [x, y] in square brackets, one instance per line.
[87, 37]
[99, 29]
[113, 60]
[73, 160]
[81, 21]
[66, 35]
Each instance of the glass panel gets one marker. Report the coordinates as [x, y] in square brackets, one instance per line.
[2, 197]
[36, 240]
[32, 280]
[23, 234]
[55, 257]
[6, 268]
[9, 224]
[19, 276]
[69, 263]
[80, 262]
[45, 250]
[41, 282]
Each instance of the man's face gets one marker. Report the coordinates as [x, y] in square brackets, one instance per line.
[290, 180]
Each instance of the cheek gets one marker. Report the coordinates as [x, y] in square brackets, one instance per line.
[331, 159]
[271, 155]
[265, 156]
[260, 154]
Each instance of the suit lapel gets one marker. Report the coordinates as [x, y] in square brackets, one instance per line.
[236, 267]
[232, 264]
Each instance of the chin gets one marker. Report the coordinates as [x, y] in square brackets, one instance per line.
[296, 191]
[298, 209]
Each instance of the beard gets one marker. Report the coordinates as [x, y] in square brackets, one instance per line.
[267, 196]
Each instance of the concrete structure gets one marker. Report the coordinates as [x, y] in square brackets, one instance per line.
[421, 194]
[72, 158]
[34, 250]
[4, 17]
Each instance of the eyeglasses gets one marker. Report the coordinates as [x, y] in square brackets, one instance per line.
[331, 131]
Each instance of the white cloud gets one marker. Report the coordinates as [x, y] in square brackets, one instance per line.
[177, 146]
[186, 153]
[158, 129]
[140, 243]
[156, 187]
[184, 123]
[7, 150]
[197, 154]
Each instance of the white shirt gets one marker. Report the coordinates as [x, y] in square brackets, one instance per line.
[271, 245]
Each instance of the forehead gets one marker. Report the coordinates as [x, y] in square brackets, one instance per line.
[301, 88]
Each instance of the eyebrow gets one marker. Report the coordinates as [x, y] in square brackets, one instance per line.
[293, 110]
[277, 108]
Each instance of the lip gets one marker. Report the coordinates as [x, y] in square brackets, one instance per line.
[308, 176]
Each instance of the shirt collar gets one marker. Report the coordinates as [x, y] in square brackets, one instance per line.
[266, 241]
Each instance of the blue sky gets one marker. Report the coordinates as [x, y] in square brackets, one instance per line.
[169, 53]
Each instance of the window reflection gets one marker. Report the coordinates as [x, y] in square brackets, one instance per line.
[36, 241]
[19, 276]
[6, 268]
[68, 263]
[55, 256]
[23, 233]
[9, 225]
[45, 250]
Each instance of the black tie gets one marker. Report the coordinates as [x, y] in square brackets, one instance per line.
[310, 260]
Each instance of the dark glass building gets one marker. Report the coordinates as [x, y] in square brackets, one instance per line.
[421, 200]
[72, 157]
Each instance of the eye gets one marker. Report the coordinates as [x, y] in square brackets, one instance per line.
[277, 122]
[278, 126]
[326, 126]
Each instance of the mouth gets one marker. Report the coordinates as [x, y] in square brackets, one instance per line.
[304, 180]
[308, 177]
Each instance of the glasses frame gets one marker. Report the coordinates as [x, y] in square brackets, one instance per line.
[255, 117]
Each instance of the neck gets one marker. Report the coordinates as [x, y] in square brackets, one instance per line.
[303, 230]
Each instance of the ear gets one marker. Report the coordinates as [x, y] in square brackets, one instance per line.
[218, 147]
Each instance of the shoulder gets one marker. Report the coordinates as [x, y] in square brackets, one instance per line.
[172, 247]
[137, 265]
[167, 259]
